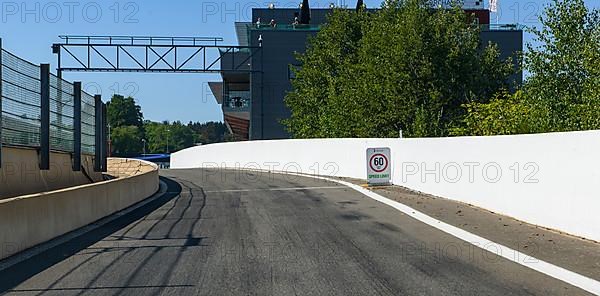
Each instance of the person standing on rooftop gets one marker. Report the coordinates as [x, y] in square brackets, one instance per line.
[360, 5]
[305, 13]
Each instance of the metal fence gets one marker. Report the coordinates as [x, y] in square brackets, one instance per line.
[88, 124]
[62, 136]
[38, 110]
[21, 110]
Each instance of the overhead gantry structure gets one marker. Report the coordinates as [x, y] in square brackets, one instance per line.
[151, 54]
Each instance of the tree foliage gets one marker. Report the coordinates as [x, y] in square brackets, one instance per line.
[316, 82]
[562, 92]
[168, 137]
[123, 111]
[209, 132]
[406, 67]
[505, 114]
[126, 140]
[126, 125]
[129, 130]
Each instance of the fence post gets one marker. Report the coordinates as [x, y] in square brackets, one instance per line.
[1, 116]
[104, 139]
[45, 117]
[76, 126]
[98, 132]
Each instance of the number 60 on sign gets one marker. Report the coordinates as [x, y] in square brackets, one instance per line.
[379, 167]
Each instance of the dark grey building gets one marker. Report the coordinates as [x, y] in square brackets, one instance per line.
[252, 103]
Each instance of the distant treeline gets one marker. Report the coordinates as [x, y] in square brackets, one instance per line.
[132, 135]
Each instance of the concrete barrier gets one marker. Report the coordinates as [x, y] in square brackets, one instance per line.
[545, 179]
[26, 221]
[20, 173]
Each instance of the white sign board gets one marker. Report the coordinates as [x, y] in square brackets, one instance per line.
[379, 166]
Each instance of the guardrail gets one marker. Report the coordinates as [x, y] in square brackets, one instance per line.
[41, 110]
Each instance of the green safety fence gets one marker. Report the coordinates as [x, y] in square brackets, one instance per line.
[21, 108]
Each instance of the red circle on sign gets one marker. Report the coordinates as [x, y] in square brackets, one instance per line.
[371, 163]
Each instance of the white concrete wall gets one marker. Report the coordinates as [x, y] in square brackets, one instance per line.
[550, 180]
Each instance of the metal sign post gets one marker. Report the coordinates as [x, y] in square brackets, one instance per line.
[379, 166]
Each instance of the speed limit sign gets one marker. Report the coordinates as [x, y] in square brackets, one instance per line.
[379, 168]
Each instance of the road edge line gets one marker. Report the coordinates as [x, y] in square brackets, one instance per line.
[549, 269]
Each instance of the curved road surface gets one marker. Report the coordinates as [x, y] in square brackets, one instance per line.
[240, 233]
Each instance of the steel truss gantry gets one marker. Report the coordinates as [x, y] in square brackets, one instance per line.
[151, 54]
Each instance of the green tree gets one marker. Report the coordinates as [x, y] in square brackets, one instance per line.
[406, 67]
[316, 83]
[506, 114]
[155, 132]
[126, 125]
[209, 132]
[126, 140]
[564, 64]
[123, 111]
[181, 135]
[562, 92]
[166, 137]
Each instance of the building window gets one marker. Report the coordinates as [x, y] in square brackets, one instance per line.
[238, 101]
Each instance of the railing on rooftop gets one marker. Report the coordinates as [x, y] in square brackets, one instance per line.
[284, 27]
[301, 27]
[502, 27]
[139, 40]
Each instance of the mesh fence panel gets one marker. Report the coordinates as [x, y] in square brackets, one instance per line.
[61, 115]
[21, 108]
[88, 124]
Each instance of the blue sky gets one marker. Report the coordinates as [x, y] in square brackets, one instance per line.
[28, 28]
